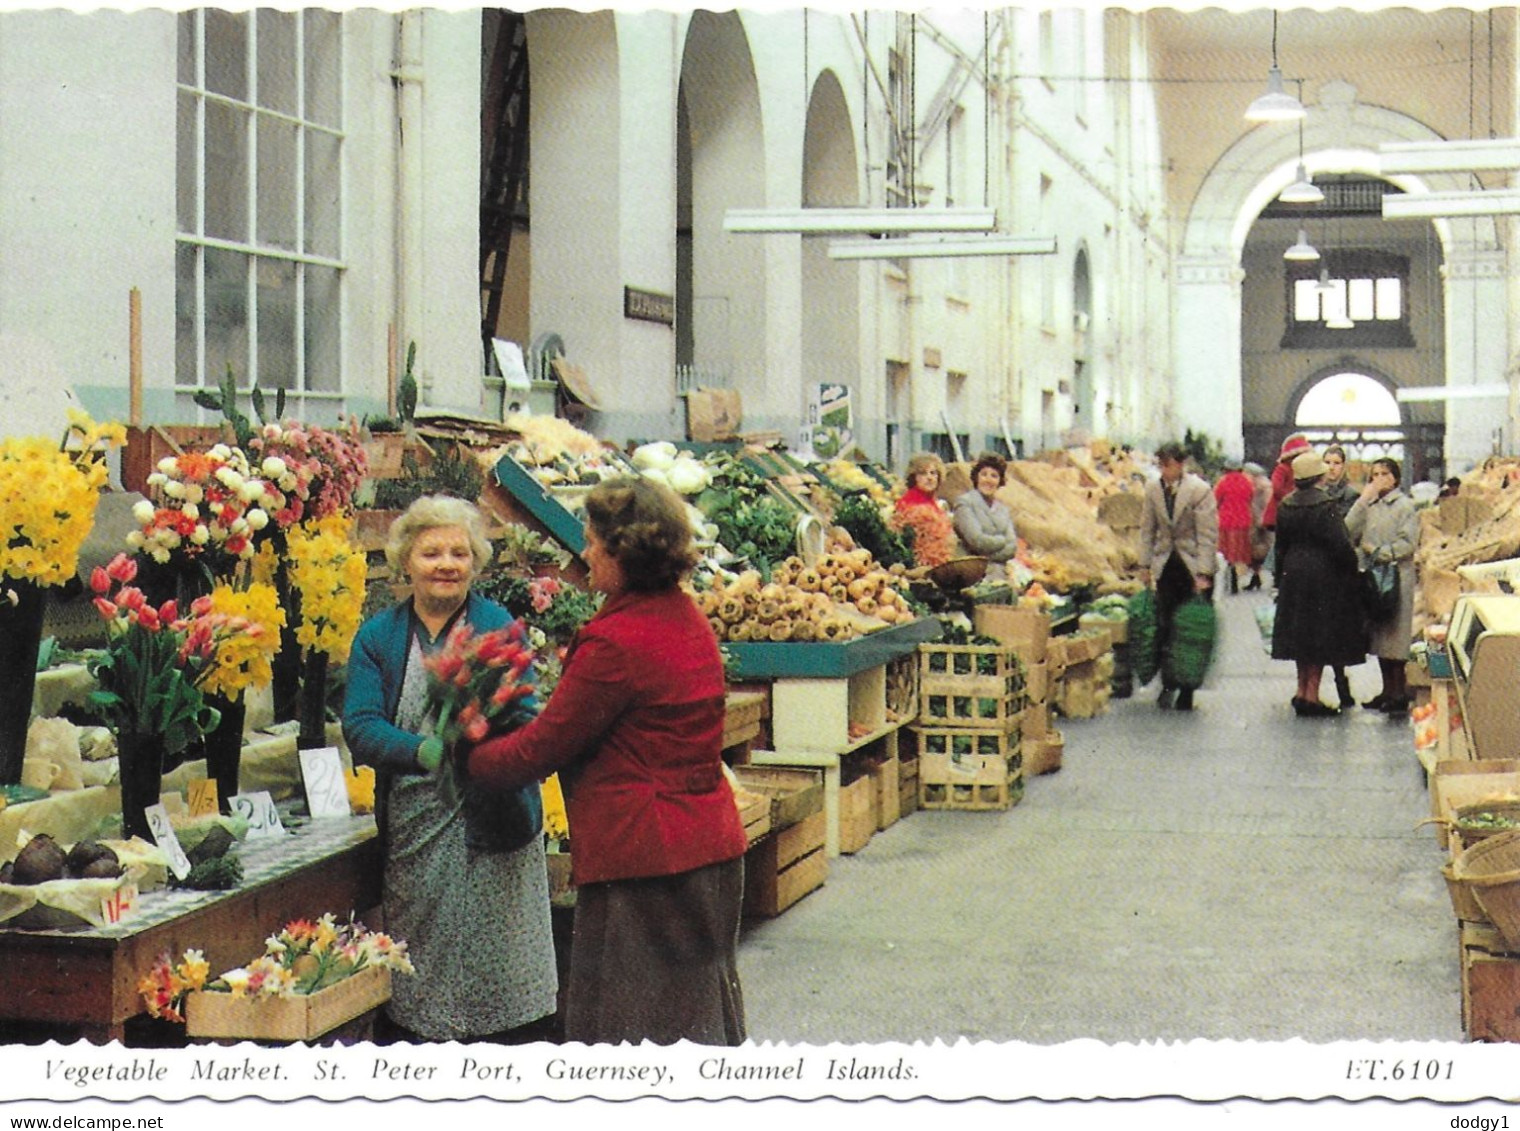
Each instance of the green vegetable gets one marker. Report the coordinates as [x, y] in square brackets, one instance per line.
[862, 518]
[220, 873]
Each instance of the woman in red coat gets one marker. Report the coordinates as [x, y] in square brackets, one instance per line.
[635, 729]
[1282, 486]
[1232, 495]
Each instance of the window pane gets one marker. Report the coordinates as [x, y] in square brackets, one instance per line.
[324, 358]
[1305, 301]
[324, 66]
[227, 52]
[1359, 300]
[277, 324]
[226, 315]
[186, 312]
[1390, 304]
[226, 171]
[186, 37]
[277, 182]
[323, 183]
[186, 174]
[1334, 299]
[277, 61]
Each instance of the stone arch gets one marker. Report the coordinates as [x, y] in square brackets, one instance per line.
[1340, 135]
[830, 288]
[1332, 369]
[720, 153]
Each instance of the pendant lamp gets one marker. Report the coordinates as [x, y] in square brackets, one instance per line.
[1277, 105]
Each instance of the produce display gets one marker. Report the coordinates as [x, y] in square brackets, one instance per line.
[43, 860]
[558, 454]
[844, 595]
[847, 475]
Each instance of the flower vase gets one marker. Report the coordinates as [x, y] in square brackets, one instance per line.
[286, 664]
[313, 732]
[140, 769]
[20, 637]
[224, 746]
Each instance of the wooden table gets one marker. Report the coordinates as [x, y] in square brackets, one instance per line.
[86, 980]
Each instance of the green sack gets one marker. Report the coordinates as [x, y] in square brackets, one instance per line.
[1187, 661]
[1144, 655]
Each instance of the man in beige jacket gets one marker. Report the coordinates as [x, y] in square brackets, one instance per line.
[1179, 537]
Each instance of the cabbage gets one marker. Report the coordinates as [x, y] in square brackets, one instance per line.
[687, 476]
[658, 454]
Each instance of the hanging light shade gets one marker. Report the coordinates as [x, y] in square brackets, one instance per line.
[1302, 190]
[1302, 251]
[1277, 105]
[1324, 286]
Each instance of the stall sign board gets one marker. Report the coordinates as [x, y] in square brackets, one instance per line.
[168, 843]
[322, 774]
[203, 799]
[259, 811]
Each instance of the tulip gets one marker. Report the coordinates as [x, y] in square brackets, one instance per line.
[105, 608]
[100, 581]
[122, 568]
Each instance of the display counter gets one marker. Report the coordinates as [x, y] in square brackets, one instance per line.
[84, 982]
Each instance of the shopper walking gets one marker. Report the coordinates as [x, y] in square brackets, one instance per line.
[1232, 496]
[635, 729]
[1261, 536]
[983, 521]
[1338, 489]
[1385, 528]
[1179, 536]
[1319, 615]
[465, 881]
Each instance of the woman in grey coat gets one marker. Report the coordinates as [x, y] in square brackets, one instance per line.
[983, 522]
[1385, 528]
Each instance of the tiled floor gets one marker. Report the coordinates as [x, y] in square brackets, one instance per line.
[1235, 872]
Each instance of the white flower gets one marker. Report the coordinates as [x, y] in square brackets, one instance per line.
[191, 511]
[257, 518]
[157, 479]
[289, 482]
[200, 536]
[251, 491]
[143, 512]
[174, 489]
[194, 493]
[161, 555]
[220, 452]
[135, 539]
[239, 525]
[273, 467]
[168, 465]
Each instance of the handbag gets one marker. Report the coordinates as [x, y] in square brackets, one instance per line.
[1380, 591]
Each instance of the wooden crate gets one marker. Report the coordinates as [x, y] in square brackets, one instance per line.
[885, 782]
[795, 794]
[742, 714]
[754, 813]
[302, 1018]
[1490, 986]
[964, 741]
[969, 685]
[785, 866]
[857, 814]
[907, 786]
[1084, 695]
[970, 781]
[147, 445]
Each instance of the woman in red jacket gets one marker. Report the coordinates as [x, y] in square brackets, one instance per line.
[635, 728]
[1232, 495]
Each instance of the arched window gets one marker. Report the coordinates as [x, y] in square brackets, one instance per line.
[1348, 400]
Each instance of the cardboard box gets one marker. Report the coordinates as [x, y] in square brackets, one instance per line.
[857, 814]
[271, 1018]
[1026, 631]
[785, 866]
[1037, 682]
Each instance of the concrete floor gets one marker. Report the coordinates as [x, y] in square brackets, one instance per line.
[1236, 872]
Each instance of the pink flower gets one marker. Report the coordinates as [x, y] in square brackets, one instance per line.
[122, 568]
[100, 581]
[105, 607]
[168, 612]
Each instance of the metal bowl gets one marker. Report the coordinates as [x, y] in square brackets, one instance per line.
[958, 573]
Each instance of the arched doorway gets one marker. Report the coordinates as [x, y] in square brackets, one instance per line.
[1357, 408]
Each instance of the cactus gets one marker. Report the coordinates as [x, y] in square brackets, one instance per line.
[406, 392]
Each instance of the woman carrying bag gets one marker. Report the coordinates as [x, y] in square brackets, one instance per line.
[1385, 529]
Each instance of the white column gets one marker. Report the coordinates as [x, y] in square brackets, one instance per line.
[1477, 351]
[1206, 373]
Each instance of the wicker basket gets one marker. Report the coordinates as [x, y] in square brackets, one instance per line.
[1463, 901]
[1491, 869]
[1471, 834]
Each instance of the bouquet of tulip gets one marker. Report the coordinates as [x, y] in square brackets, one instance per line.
[150, 674]
[304, 958]
[479, 682]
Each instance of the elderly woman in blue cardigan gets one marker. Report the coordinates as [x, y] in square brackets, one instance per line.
[465, 881]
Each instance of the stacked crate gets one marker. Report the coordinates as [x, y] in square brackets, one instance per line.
[1027, 633]
[1086, 682]
[971, 702]
[789, 860]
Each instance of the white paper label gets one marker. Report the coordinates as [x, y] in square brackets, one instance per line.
[322, 772]
[259, 811]
[119, 904]
[167, 841]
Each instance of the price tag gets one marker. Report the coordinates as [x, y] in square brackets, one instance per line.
[163, 836]
[322, 773]
[120, 903]
[259, 811]
[203, 799]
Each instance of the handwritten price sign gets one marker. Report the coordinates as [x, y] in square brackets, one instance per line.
[322, 773]
[120, 903]
[167, 841]
[259, 811]
[203, 799]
